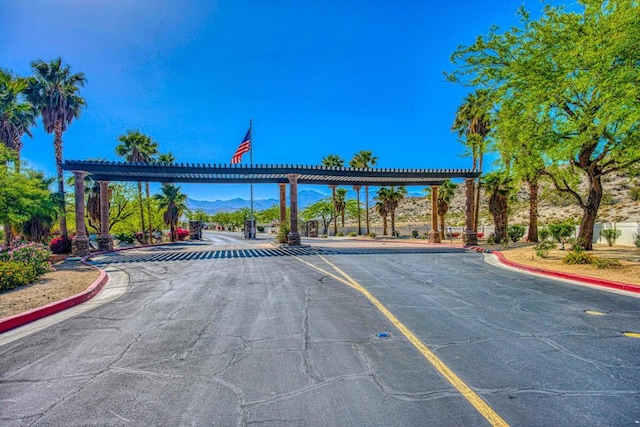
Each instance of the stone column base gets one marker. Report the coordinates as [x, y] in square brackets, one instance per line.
[105, 243]
[434, 236]
[470, 237]
[293, 239]
[80, 246]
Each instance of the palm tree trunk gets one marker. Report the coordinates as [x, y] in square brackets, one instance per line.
[384, 225]
[357, 188]
[533, 210]
[149, 212]
[335, 216]
[7, 234]
[18, 146]
[393, 222]
[476, 214]
[144, 237]
[57, 145]
[441, 214]
[366, 207]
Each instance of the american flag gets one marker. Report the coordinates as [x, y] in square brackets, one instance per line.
[244, 147]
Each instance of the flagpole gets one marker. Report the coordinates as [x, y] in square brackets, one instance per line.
[253, 221]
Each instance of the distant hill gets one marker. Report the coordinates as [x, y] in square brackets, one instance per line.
[305, 198]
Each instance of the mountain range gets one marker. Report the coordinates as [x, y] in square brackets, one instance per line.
[305, 198]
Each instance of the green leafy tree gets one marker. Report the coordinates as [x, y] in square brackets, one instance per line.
[54, 91]
[364, 159]
[576, 74]
[333, 161]
[271, 215]
[174, 203]
[138, 147]
[323, 210]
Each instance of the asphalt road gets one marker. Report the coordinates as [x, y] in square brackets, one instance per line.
[228, 332]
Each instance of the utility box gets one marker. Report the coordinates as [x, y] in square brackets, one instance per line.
[195, 230]
[312, 228]
[249, 229]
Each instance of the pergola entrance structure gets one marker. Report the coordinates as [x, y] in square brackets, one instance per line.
[105, 171]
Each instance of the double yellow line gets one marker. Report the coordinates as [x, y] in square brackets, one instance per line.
[481, 406]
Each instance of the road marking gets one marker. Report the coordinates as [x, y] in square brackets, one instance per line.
[478, 403]
[594, 313]
[631, 334]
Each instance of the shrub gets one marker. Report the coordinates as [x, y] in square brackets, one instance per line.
[611, 234]
[634, 194]
[60, 245]
[16, 273]
[607, 199]
[181, 233]
[479, 235]
[415, 234]
[372, 235]
[352, 234]
[260, 228]
[636, 240]
[542, 249]
[606, 263]
[515, 232]
[491, 239]
[577, 257]
[283, 233]
[125, 237]
[543, 234]
[395, 233]
[561, 231]
[339, 234]
[33, 254]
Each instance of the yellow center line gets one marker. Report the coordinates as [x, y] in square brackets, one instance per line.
[481, 406]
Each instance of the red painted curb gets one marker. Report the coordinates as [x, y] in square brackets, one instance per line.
[569, 276]
[20, 319]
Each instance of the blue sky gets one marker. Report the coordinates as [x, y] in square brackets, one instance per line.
[317, 78]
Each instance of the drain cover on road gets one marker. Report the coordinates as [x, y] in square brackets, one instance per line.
[383, 334]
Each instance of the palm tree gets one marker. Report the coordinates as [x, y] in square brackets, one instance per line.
[174, 203]
[381, 208]
[499, 186]
[17, 115]
[473, 122]
[16, 119]
[333, 161]
[54, 92]
[364, 159]
[341, 202]
[137, 147]
[391, 197]
[166, 157]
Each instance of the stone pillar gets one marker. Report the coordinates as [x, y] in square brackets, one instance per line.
[283, 203]
[294, 236]
[80, 243]
[434, 234]
[470, 236]
[105, 242]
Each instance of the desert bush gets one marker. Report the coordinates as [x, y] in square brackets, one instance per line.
[543, 248]
[607, 199]
[181, 233]
[339, 234]
[561, 231]
[611, 235]
[605, 263]
[479, 235]
[283, 233]
[395, 233]
[515, 232]
[636, 240]
[543, 234]
[16, 273]
[634, 194]
[60, 245]
[577, 257]
[415, 234]
[372, 235]
[491, 239]
[352, 234]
